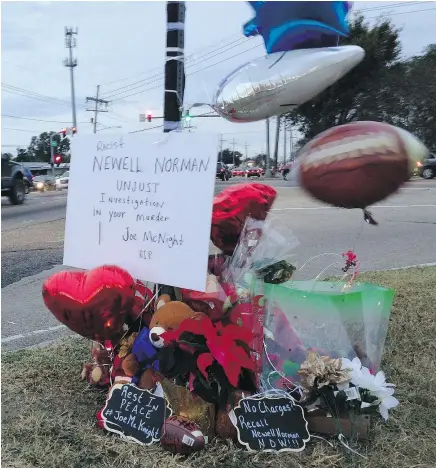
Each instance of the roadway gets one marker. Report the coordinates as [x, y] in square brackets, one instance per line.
[32, 244]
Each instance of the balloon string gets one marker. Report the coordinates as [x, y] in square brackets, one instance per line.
[344, 442]
[318, 256]
[276, 371]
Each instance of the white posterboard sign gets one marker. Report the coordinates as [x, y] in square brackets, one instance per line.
[142, 202]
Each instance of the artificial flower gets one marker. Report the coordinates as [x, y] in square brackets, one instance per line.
[385, 401]
[322, 371]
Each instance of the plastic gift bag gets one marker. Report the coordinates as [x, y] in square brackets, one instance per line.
[334, 319]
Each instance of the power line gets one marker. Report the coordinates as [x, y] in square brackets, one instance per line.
[192, 73]
[20, 130]
[189, 57]
[403, 12]
[158, 76]
[36, 120]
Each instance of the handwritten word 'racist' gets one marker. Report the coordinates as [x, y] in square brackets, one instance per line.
[110, 145]
[111, 163]
[180, 165]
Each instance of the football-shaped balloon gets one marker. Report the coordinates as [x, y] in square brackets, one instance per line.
[93, 304]
[182, 436]
[358, 164]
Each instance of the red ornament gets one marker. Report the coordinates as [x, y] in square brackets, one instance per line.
[93, 304]
[231, 209]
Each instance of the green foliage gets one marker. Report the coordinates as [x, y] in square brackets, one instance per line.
[227, 157]
[39, 148]
[7, 156]
[381, 88]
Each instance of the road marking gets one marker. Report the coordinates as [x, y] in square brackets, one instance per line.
[7, 339]
[337, 208]
[12, 338]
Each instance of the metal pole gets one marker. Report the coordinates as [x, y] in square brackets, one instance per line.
[233, 151]
[52, 156]
[73, 94]
[267, 164]
[276, 145]
[174, 66]
[221, 148]
[284, 141]
[96, 109]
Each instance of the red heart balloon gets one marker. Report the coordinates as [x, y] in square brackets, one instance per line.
[93, 304]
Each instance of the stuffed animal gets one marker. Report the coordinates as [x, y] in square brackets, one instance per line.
[141, 364]
[98, 372]
[168, 316]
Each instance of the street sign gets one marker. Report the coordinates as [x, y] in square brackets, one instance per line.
[54, 143]
[142, 117]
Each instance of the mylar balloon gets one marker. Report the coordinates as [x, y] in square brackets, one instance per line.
[280, 82]
[358, 164]
[93, 304]
[290, 25]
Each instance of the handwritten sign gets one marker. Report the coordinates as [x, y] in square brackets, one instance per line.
[271, 424]
[135, 414]
[144, 203]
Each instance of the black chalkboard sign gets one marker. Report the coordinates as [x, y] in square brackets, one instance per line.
[271, 423]
[135, 414]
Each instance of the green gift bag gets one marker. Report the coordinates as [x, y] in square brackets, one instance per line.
[332, 318]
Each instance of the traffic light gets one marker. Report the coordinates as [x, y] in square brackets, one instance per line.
[187, 116]
[63, 132]
[58, 160]
[149, 116]
[73, 130]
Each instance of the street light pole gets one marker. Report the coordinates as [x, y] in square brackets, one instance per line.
[268, 168]
[52, 155]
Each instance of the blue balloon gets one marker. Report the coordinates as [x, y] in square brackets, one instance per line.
[298, 25]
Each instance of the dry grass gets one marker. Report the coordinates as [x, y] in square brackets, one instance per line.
[48, 413]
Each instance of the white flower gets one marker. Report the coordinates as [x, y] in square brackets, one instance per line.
[354, 369]
[385, 401]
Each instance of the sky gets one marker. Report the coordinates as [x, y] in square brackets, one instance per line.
[121, 47]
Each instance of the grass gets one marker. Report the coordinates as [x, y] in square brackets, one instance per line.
[48, 414]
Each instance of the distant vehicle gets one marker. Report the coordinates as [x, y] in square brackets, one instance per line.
[253, 172]
[13, 181]
[62, 181]
[222, 171]
[238, 172]
[427, 168]
[28, 180]
[43, 183]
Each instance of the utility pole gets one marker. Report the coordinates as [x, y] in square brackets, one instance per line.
[233, 151]
[246, 150]
[52, 155]
[284, 141]
[69, 62]
[174, 66]
[100, 105]
[221, 148]
[174, 87]
[267, 165]
[276, 145]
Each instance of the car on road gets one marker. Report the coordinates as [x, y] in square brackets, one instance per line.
[253, 172]
[43, 183]
[28, 180]
[427, 168]
[222, 171]
[238, 172]
[62, 181]
[13, 185]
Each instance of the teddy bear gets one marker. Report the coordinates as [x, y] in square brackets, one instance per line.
[97, 373]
